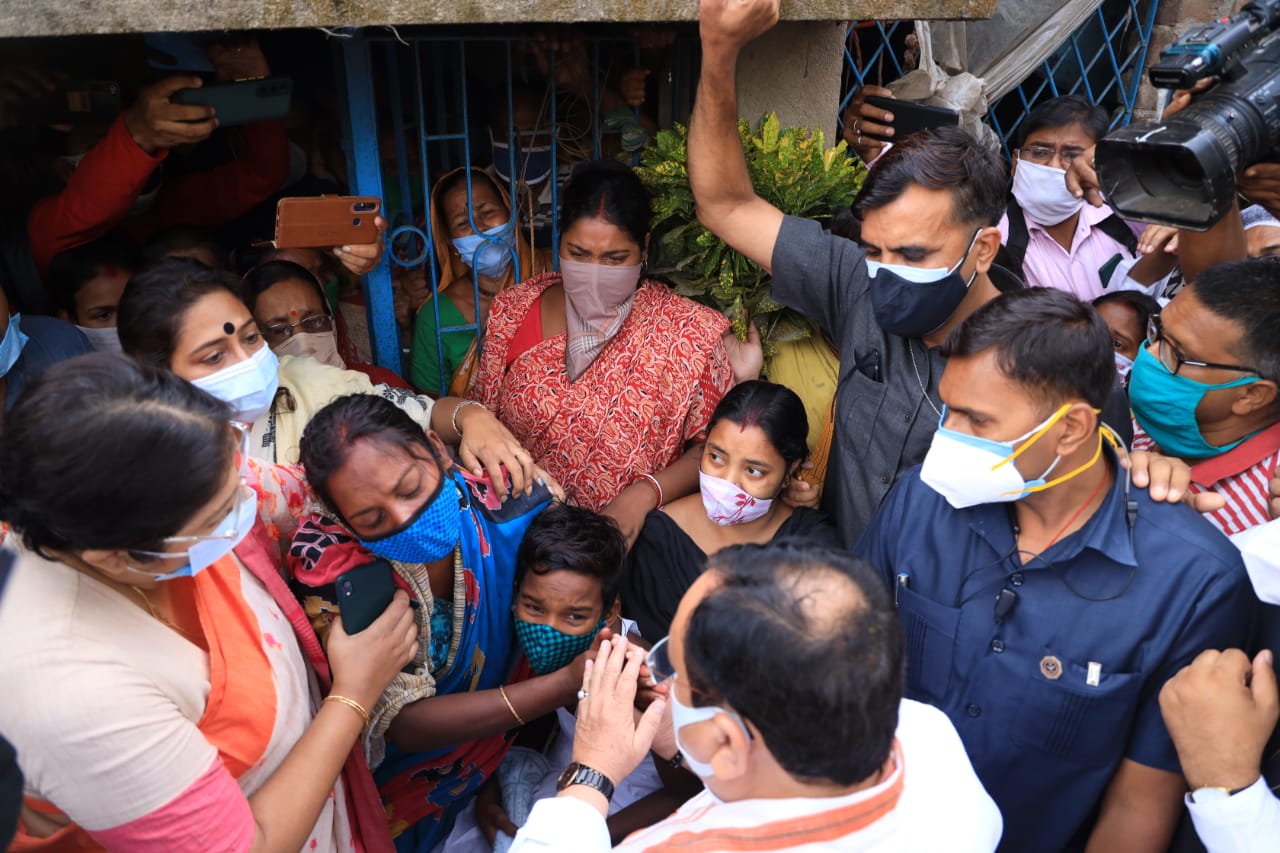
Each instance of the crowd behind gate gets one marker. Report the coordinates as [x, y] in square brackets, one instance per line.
[566, 583]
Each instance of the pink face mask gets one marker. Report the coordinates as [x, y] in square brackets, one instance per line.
[598, 299]
[726, 504]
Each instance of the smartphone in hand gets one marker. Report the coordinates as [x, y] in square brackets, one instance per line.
[910, 117]
[364, 593]
[319, 222]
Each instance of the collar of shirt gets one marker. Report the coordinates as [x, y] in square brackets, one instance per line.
[1106, 531]
[1239, 459]
[1089, 217]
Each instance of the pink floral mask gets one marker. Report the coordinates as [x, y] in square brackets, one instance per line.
[725, 503]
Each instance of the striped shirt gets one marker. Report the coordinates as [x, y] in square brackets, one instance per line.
[1242, 476]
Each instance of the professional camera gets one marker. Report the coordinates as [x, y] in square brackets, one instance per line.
[1182, 172]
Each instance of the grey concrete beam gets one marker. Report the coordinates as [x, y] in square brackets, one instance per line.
[81, 17]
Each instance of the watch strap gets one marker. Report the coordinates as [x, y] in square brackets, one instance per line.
[580, 774]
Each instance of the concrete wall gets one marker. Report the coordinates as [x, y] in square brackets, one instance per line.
[72, 17]
[794, 70]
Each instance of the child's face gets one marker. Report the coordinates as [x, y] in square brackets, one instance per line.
[1123, 321]
[567, 601]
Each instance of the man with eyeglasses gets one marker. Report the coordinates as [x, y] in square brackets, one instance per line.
[1203, 388]
[1053, 238]
[1044, 602]
[783, 673]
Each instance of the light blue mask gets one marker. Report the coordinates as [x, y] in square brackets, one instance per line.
[248, 386]
[212, 548]
[11, 346]
[489, 253]
[1164, 405]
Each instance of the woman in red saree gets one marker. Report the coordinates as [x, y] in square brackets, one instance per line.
[607, 379]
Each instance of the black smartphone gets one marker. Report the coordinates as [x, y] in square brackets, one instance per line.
[241, 102]
[364, 593]
[81, 102]
[909, 117]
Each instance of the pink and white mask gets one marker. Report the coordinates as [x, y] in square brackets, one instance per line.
[726, 504]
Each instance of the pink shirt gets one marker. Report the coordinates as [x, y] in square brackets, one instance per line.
[1047, 264]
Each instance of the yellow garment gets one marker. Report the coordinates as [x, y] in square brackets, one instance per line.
[811, 369]
[532, 262]
[311, 385]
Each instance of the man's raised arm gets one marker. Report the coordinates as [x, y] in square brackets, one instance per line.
[727, 203]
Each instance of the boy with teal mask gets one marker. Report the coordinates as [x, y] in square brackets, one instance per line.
[1203, 386]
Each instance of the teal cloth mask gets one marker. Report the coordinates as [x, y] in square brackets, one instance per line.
[1165, 404]
[549, 649]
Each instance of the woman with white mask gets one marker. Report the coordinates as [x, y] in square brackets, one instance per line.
[755, 445]
[190, 319]
[87, 284]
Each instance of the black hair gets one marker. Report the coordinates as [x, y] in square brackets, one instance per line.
[1143, 305]
[1247, 293]
[179, 238]
[945, 158]
[73, 269]
[1054, 345]
[1065, 111]
[574, 539]
[157, 299]
[608, 190]
[332, 433]
[452, 181]
[803, 642]
[263, 277]
[776, 409]
[105, 477]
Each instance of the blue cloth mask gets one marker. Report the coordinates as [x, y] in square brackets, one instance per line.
[488, 253]
[1165, 403]
[549, 649]
[431, 533]
[913, 301]
[11, 346]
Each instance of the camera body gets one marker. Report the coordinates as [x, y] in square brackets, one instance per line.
[1182, 171]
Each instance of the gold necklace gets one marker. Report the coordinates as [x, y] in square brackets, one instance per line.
[146, 599]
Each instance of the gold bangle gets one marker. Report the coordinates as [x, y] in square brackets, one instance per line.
[510, 707]
[352, 704]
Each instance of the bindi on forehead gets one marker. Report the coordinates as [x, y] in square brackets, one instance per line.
[229, 328]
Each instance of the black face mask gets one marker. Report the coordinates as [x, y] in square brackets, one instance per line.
[913, 301]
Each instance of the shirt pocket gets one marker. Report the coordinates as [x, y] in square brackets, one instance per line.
[1068, 718]
[930, 631]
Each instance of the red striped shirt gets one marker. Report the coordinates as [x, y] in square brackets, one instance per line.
[1242, 476]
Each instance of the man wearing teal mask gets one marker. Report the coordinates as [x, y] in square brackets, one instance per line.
[1044, 602]
[1203, 387]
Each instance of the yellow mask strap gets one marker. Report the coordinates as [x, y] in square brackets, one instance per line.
[1034, 437]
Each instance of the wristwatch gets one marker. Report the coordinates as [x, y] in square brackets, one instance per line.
[581, 774]
[1211, 793]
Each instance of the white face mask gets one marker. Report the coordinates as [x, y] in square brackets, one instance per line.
[322, 346]
[102, 338]
[1124, 364]
[1041, 192]
[683, 715]
[248, 386]
[727, 504]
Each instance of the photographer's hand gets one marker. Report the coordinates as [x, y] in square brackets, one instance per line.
[1260, 183]
[1082, 179]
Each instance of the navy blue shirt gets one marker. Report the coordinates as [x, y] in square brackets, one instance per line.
[1049, 700]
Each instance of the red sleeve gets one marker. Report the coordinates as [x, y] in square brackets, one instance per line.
[96, 198]
[222, 194]
[187, 821]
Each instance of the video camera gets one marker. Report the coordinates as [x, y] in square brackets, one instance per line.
[1182, 172]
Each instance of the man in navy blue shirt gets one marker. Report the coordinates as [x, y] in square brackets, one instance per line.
[1044, 602]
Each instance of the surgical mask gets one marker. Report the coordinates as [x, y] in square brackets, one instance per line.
[1124, 364]
[209, 550]
[322, 346]
[549, 649]
[430, 534]
[1165, 403]
[102, 338]
[913, 301]
[1041, 192]
[727, 504]
[968, 470]
[491, 257]
[11, 347]
[248, 386]
[683, 715]
[533, 162]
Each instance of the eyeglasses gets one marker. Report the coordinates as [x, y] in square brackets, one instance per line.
[279, 332]
[1042, 155]
[1173, 361]
[659, 662]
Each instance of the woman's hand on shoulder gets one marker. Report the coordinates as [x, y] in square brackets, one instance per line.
[800, 493]
[630, 507]
[364, 664]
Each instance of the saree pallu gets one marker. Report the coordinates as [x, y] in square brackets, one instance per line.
[649, 393]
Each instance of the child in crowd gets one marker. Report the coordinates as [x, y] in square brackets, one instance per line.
[87, 284]
[1127, 313]
[568, 571]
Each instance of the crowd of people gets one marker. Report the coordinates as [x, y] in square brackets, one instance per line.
[561, 587]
